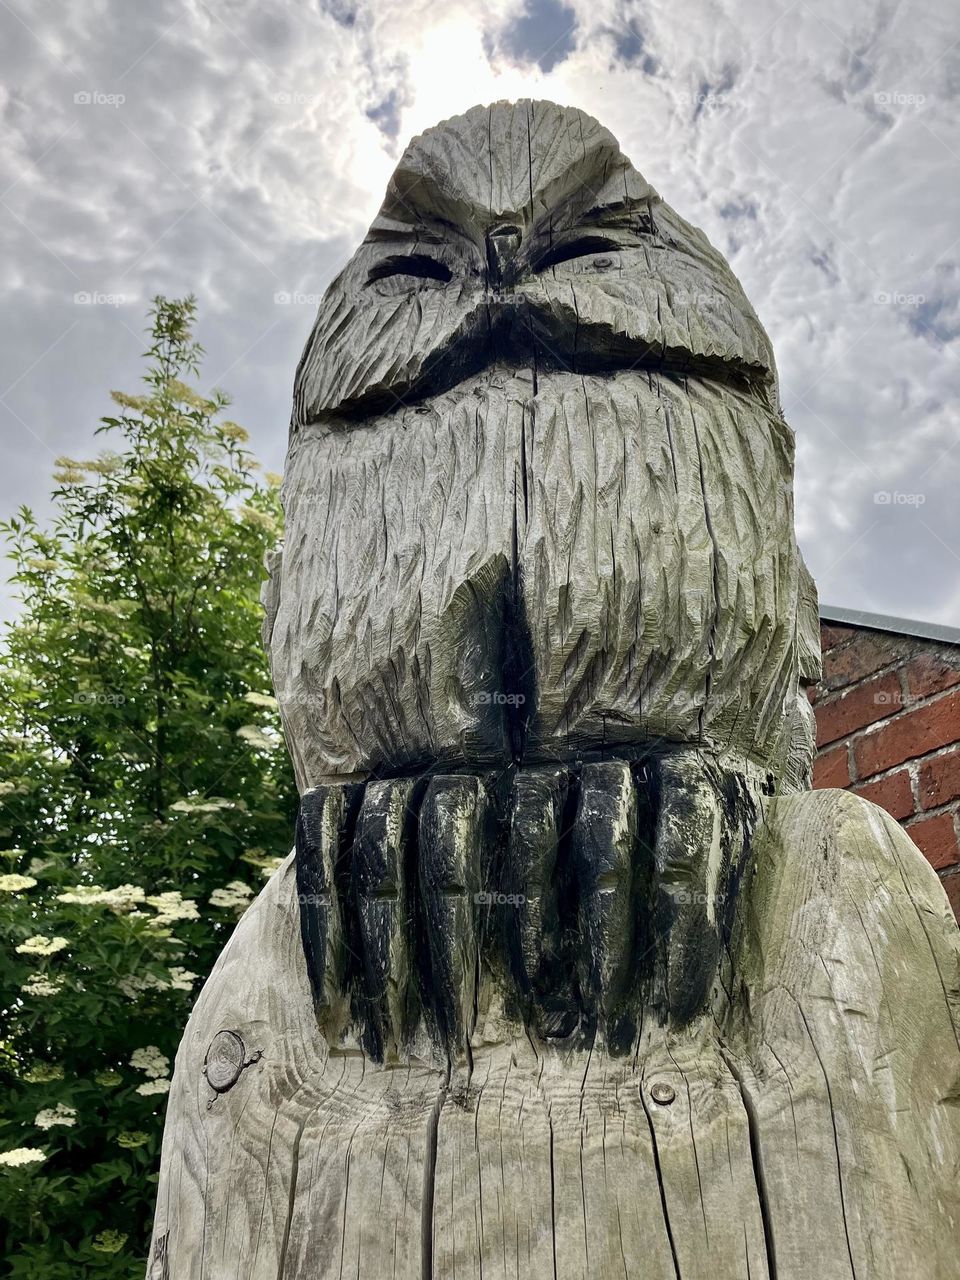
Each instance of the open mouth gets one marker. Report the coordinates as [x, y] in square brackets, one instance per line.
[566, 895]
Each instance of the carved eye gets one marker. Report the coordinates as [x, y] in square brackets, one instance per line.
[416, 266]
[582, 247]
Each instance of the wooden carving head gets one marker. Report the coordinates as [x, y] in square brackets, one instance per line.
[539, 489]
[521, 231]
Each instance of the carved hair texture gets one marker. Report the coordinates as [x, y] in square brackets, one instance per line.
[539, 490]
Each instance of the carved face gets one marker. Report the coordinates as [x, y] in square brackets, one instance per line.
[539, 492]
[521, 232]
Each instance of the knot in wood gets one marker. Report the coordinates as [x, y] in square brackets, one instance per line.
[224, 1061]
[662, 1093]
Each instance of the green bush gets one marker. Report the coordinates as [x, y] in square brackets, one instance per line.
[144, 795]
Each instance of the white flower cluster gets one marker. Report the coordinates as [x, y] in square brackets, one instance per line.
[41, 945]
[182, 979]
[256, 737]
[261, 700]
[171, 906]
[123, 898]
[153, 1086]
[150, 1060]
[38, 984]
[60, 1114]
[259, 519]
[133, 985]
[14, 883]
[22, 1155]
[235, 897]
[213, 804]
[264, 864]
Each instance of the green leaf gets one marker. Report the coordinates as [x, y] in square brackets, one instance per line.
[122, 682]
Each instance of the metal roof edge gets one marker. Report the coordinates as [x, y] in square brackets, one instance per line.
[881, 622]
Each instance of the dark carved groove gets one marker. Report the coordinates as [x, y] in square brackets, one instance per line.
[420, 266]
[581, 889]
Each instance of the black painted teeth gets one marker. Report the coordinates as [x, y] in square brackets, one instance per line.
[579, 892]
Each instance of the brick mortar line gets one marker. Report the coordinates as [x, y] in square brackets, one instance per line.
[950, 807]
[907, 767]
[913, 761]
[877, 725]
[847, 641]
[835, 695]
[898, 667]
[899, 663]
[912, 765]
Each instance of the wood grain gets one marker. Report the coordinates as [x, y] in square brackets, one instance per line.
[570, 976]
[539, 488]
[814, 1129]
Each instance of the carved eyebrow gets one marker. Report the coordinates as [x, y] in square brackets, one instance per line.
[433, 231]
[636, 217]
[407, 220]
[579, 247]
[588, 236]
[420, 265]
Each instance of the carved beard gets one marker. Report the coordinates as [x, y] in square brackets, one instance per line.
[537, 566]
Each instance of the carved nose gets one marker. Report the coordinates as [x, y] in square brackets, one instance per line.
[502, 245]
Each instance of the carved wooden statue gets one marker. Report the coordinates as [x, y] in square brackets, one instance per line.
[569, 975]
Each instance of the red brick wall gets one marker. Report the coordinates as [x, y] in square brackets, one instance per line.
[888, 728]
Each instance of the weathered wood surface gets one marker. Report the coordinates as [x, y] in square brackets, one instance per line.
[815, 1129]
[622, 879]
[570, 977]
[539, 488]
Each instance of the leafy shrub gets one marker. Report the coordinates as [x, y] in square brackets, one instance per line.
[144, 795]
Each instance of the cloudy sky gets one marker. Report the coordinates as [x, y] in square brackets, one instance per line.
[238, 150]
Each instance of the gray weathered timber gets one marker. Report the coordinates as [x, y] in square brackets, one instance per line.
[814, 1129]
[569, 975]
[538, 497]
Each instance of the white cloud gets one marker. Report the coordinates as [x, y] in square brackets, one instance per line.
[817, 148]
